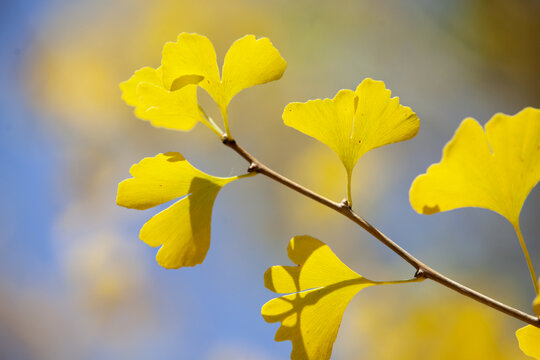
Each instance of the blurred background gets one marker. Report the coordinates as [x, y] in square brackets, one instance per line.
[75, 281]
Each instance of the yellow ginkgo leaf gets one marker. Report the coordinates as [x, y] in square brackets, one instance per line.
[495, 169]
[322, 287]
[354, 122]
[248, 62]
[183, 229]
[529, 336]
[164, 107]
[529, 340]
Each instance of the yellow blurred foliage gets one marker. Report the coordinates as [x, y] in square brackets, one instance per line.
[433, 327]
[506, 34]
[73, 76]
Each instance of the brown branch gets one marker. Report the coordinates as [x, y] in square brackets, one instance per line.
[422, 270]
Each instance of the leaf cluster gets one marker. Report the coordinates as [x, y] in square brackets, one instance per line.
[493, 168]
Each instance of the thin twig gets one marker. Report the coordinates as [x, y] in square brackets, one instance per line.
[422, 270]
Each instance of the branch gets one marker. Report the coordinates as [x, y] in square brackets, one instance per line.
[422, 270]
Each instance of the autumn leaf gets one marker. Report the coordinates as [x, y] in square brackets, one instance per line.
[167, 96]
[248, 62]
[354, 122]
[493, 169]
[183, 229]
[529, 336]
[529, 340]
[163, 107]
[319, 288]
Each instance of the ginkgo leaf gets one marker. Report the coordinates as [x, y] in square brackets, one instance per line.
[183, 229]
[191, 54]
[129, 87]
[529, 340]
[529, 336]
[248, 62]
[164, 107]
[322, 287]
[495, 169]
[354, 122]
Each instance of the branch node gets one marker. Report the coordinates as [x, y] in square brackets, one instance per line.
[420, 273]
[344, 204]
[253, 167]
[227, 141]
